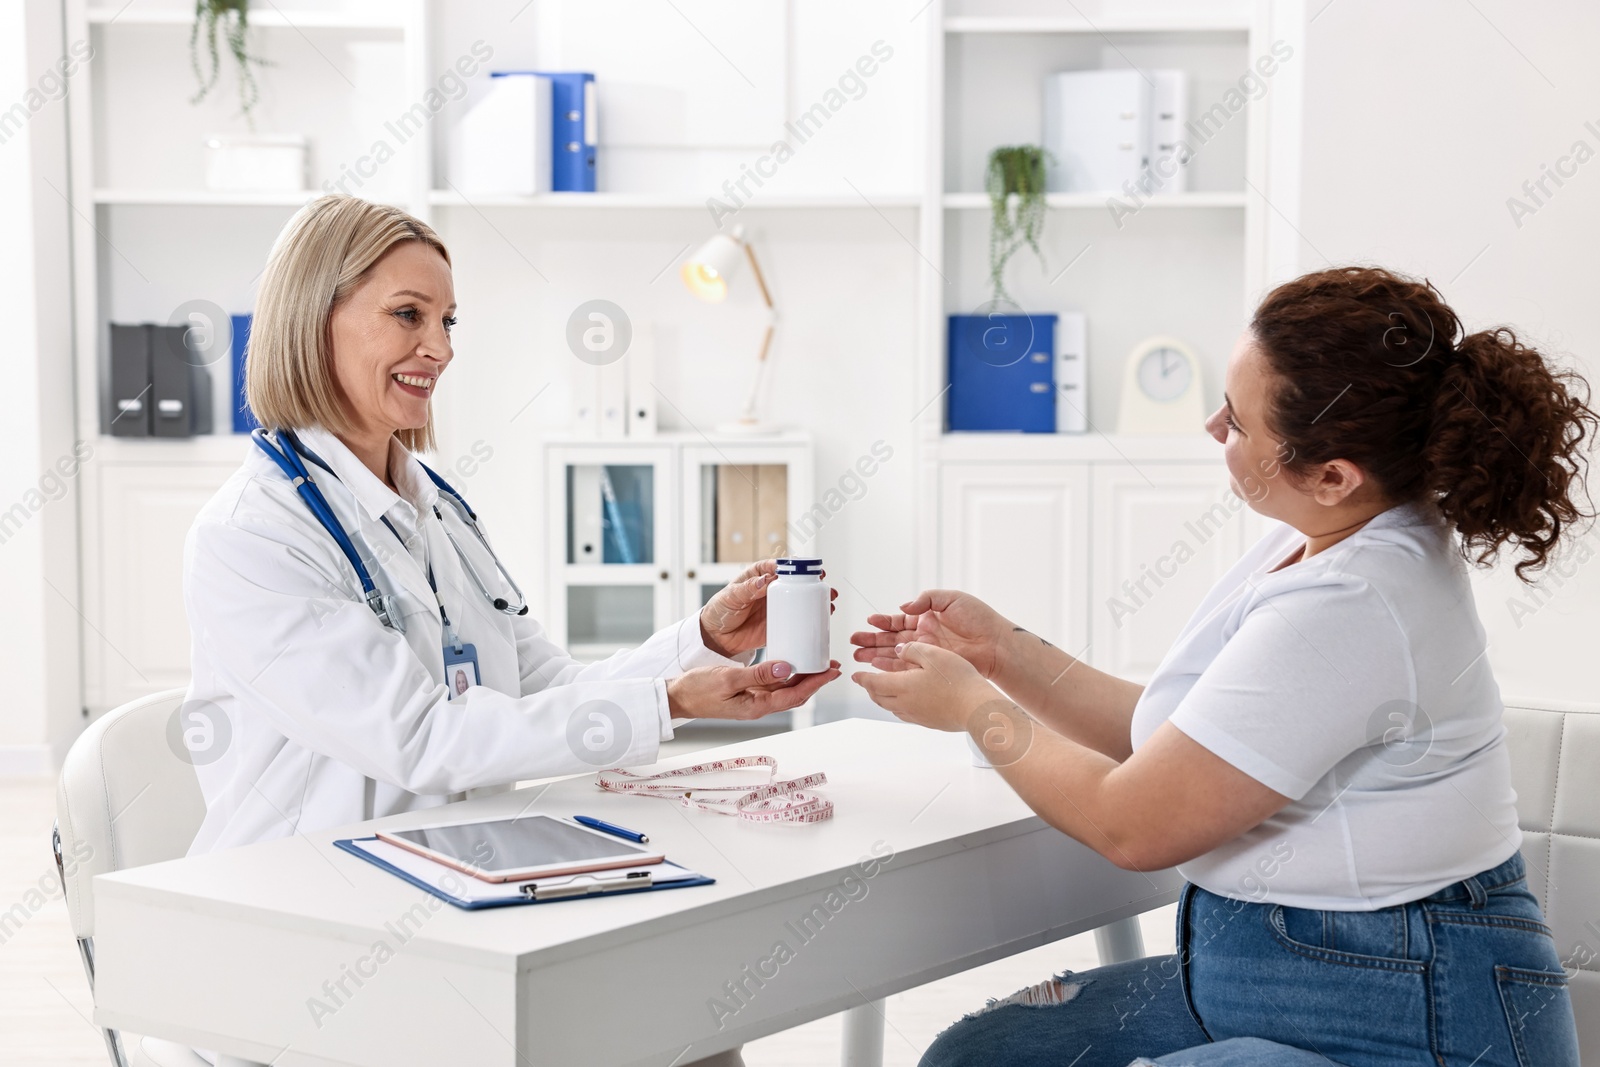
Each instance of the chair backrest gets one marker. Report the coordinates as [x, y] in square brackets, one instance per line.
[1555, 756]
[127, 797]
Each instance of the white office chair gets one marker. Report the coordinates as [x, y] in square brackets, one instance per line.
[1555, 749]
[126, 798]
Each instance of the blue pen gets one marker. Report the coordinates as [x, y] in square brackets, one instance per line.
[611, 828]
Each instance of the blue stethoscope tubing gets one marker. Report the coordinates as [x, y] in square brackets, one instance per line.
[288, 460]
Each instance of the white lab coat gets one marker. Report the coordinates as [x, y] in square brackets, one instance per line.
[323, 717]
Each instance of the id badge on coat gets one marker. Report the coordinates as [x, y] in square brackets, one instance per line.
[460, 668]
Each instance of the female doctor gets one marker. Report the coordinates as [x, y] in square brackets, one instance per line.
[1321, 752]
[338, 592]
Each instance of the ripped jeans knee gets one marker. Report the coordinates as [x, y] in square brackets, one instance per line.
[1046, 994]
[1121, 1011]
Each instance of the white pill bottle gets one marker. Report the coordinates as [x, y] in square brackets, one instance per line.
[797, 616]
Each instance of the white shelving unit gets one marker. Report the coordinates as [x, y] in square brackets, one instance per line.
[138, 208]
[106, 282]
[1075, 515]
[1171, 21]
[1097, 201]
[202, 198]
[360, 15]
[601, 201]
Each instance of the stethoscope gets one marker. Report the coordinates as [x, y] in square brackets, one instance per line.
[287, 457]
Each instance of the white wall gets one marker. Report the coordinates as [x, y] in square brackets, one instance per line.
[1421, 120]
[38, 506]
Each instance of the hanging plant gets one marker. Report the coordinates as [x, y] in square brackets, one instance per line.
[230, 19]
[1014, 170]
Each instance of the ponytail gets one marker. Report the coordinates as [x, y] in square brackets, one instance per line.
[1503, 453]
[1371, 367]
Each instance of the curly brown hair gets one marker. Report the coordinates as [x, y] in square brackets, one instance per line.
[1373, 367]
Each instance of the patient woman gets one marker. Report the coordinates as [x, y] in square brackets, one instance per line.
[1321, 751]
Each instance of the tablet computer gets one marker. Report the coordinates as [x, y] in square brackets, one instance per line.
[527, 847]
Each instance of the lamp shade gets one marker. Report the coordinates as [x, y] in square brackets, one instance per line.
[708, 268]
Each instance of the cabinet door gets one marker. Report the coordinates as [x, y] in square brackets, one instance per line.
[1163, 534]
[1018, 537]
[139, 643]
[614, 579]
[741, 502]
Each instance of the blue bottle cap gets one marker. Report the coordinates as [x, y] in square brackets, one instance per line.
[799, 565]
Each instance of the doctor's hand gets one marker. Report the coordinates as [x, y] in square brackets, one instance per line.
[930, 686]
[742, 692]
[947, 618]
[735, 620]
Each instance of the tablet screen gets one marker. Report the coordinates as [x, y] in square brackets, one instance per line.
[514, 844]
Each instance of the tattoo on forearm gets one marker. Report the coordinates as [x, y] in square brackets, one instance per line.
[1021, 630]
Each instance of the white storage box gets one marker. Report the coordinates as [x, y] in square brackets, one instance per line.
[240, 163]
[502, 145]
[1097, 128]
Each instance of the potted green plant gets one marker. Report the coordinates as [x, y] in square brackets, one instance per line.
[229, 19]
[1014, 181]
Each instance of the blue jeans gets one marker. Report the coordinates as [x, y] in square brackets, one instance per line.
[1466, 976]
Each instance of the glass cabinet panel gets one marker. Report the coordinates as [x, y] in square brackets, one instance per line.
[611, 513]
[744, 511]
[621, 615]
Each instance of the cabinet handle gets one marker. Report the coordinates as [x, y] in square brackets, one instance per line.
[689, 575]
[665, 576]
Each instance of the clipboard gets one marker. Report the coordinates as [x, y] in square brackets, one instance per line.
[471, 894]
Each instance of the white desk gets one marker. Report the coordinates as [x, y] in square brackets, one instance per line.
[226, 951]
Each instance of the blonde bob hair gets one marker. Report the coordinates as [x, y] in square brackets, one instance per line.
[323, 253]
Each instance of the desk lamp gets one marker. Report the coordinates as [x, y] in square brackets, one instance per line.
[706, 273]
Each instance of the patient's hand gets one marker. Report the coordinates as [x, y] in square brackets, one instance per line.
[948, 618]
[735, 620]
[933, 687]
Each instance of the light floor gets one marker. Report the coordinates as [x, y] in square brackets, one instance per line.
[45, 1003]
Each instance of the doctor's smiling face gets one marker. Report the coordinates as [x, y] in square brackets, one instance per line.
[390, 340]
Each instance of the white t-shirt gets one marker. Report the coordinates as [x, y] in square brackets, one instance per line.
[1355, 683]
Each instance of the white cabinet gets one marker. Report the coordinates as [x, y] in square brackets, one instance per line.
[640, 532]
[1106, 559]
[1018, 538]
[1163, 534]
[137, 514]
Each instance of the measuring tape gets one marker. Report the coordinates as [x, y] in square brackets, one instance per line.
[777, 801]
